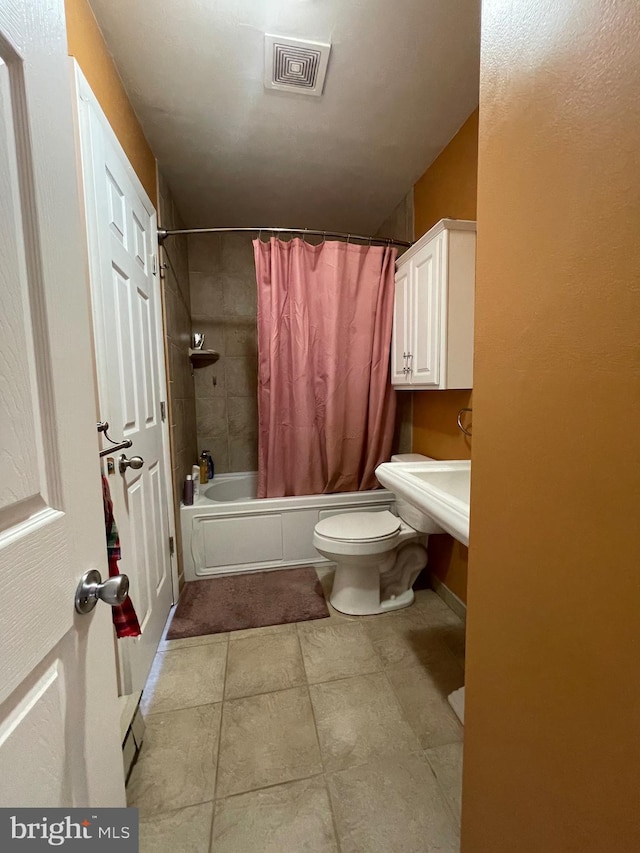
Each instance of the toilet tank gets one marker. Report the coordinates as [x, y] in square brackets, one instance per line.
[414, 518]
[411, 457]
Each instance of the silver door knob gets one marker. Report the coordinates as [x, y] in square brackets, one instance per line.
[135, 462]
[112, 591]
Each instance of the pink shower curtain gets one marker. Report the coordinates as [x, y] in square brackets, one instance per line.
[325, 402]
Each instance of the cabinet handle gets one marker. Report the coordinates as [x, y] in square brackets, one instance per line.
[409, 362]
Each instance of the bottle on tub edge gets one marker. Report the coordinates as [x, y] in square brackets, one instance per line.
[195, 476]
[210, 468]
[187, 496]
[204, 470]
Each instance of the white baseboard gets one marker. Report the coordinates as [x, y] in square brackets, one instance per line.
[450, 598]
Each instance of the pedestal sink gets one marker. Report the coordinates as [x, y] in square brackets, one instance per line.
[438, 489]
[441, 491]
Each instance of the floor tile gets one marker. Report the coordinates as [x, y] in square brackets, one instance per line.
[336, 651]
[446, 763]
[187, 642]
[455, 640]
[184, 678]
[392, 805]
[177, 763]
[429, 600]
[185, 830]
[288, 818]
[267, 630]
[266, 740]
[407, 639]
[263, 664]
[423, 692]
[358, 718]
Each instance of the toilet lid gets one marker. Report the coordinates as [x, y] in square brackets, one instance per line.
[359, 526]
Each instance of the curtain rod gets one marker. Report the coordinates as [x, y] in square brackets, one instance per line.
[163, 233]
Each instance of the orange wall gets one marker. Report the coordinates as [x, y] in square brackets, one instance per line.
[86, 44]
[447, 189]
[449, 186]
[552, 734]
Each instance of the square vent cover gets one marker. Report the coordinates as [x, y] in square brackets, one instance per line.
[293, 65]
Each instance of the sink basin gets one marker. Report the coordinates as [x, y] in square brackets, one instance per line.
[438, 489]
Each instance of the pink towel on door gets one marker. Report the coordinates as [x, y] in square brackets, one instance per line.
[124, 617]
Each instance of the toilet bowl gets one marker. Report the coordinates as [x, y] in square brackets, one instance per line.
[378, 555]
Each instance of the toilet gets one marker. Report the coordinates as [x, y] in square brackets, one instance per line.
[378, 555]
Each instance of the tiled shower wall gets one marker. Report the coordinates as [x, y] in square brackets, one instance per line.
[223, 306]
[177, 324]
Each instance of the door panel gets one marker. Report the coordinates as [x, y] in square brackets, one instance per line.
[57, 669]
[42, 709]
[121, 227]
[425, 270]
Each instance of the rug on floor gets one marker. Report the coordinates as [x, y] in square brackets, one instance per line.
[233, 602]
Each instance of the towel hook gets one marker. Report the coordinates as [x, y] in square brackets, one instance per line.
[459, 421]
[103, 426]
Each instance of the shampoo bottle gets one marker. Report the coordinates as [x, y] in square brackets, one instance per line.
[188, 491]
[195, 476]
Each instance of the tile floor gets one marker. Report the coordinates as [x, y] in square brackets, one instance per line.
[318, 737]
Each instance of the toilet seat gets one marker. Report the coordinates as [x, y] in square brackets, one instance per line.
[360, 527]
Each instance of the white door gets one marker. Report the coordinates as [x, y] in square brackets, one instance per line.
[59, 718]
[426, 269]
[127, 314]
[401, 342]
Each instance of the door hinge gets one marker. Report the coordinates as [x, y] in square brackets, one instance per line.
[172, 547]
[163, 410]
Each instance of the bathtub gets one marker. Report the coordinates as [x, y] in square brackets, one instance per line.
[229, 530]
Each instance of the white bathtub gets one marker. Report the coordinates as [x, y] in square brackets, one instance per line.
[229, 530]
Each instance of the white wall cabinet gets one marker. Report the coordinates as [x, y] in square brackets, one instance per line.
[432, 344]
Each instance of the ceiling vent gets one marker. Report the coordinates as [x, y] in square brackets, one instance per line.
[293, 65]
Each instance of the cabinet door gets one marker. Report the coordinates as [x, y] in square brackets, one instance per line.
[426, 270]
[401, 328]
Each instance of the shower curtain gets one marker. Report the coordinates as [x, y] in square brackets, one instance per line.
[326, 407]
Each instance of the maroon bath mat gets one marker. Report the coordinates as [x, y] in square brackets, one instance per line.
[232, 602]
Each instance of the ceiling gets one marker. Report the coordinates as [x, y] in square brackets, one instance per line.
[402, 78]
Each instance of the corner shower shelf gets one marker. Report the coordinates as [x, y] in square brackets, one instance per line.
[202, 357]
